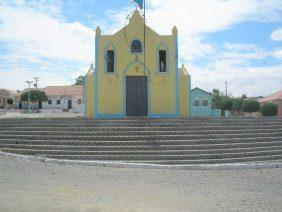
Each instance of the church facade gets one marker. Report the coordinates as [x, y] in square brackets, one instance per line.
[137, 78]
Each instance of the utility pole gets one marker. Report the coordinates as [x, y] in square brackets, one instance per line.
[36, 80]
[226, 88]
[28, 101]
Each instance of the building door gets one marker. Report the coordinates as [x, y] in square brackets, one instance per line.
[69, 104]
[40, 105]
[136, 96]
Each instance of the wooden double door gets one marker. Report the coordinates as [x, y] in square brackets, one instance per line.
[136, 96]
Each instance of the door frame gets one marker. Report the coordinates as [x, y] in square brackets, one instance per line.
[147, 94]
[124, 75]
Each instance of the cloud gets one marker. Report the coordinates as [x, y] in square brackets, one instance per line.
[39, 41]
[28, 31]
[277, 35]
[252, 81]
[278, 54]
[205, 16]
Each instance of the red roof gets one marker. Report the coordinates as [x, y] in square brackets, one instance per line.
[64, 90]
[273, 97]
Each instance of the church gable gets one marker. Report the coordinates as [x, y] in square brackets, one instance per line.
[127, 45]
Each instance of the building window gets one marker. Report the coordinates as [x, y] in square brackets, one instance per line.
[162, 60]
[58, 101]
[79, 101]
[110, 61]
[136, 46]
[205, 103]
[196, 103]
[49, 102]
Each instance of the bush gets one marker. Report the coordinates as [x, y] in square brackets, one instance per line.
[250, 106]
[269, 109]
[10, 101]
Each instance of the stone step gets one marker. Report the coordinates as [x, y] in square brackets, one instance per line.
[136, 119]
[139, 137]
[167, 157]
[132, 124]
[142, 142]
[144, 119]
[145, 122]
[143, 147]
[124, 128]
[140, 132]
[257, 159]
[142, 153]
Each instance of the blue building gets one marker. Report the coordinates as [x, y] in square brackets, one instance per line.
[201, 104]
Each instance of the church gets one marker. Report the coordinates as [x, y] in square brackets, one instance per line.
[137, 74]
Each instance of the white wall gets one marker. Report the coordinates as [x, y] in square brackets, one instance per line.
[76, 108]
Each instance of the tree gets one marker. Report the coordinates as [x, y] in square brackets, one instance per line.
[35, 96]
[226, 103]
[10, 101]
[79, 80]
[216, 99]
[250, 106]
[237, 104]
[269, 109]
[244, 96]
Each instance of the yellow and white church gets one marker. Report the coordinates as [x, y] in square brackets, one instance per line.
[137, 75]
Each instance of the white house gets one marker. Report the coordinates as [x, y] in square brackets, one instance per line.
[62, 99]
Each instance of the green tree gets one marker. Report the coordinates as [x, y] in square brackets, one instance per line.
[35, 96]
[226, 103]
[269, 109]
[216, 99]
[79, 80]
[10, 101]
[237, 104]
[250, 106]
[244, 96]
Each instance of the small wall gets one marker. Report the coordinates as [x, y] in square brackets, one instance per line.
[184, 96]
[89, 95]
[255, 114]
[216, 112]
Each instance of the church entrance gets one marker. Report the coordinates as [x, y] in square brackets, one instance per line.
[136, 96]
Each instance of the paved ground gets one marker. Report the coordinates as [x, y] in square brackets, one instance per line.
[18, 114]
[34, 186]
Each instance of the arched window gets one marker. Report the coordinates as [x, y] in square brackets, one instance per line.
[136, 46]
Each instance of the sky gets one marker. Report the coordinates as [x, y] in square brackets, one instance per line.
[238, 41]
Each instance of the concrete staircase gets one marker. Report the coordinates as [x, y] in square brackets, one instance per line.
[143, 140]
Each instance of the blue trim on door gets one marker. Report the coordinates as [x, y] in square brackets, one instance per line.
[147, 73]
